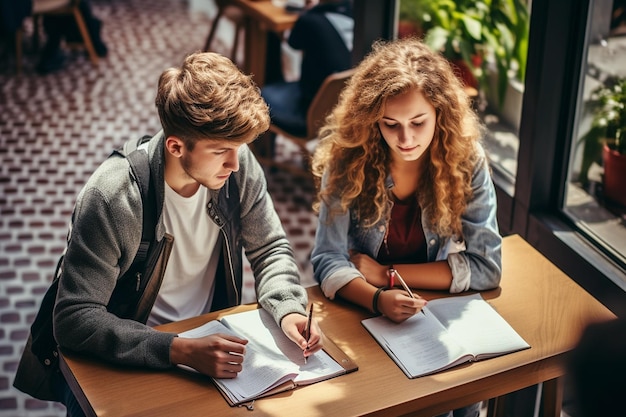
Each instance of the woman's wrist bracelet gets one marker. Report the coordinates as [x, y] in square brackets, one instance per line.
[375, 300]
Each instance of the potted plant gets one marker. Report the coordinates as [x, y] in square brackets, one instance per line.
[607, 137]
[480, 33]
[410, 16]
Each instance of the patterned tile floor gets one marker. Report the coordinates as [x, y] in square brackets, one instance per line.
[56, 129]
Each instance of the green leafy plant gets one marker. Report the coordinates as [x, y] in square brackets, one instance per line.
[607, 105]
[479, 32]
[412, 11]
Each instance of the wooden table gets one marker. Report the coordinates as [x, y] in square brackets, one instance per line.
[262, 17]
[547, 309]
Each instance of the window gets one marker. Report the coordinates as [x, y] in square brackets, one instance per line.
[595, 193]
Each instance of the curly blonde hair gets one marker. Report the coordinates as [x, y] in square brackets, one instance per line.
[355, 159]
[208, 97]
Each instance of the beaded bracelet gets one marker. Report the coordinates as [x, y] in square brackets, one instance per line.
[375, 300]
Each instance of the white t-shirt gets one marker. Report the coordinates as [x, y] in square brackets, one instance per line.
[188, 283]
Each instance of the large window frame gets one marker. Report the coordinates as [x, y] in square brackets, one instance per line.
[556, 48]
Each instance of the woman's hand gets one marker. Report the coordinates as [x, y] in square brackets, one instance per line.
[398, 306]
[294, 326]
[373, 272]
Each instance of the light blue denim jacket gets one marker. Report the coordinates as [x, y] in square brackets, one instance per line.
[475, 259]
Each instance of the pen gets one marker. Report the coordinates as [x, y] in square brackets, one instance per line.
[406, 287]
[307, 331]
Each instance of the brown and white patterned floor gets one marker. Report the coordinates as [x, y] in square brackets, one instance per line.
[56, 129]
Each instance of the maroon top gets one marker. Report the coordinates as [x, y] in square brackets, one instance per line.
[405, 242]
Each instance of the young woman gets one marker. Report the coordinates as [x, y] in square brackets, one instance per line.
[404, 186]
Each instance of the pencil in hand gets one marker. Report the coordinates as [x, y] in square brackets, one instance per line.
[307, 331]
[406, 287]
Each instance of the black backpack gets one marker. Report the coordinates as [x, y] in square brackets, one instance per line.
[36, 378]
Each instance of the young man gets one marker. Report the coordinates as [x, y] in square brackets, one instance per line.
[212, 200]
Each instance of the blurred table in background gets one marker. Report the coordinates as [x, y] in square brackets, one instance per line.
[263, 17]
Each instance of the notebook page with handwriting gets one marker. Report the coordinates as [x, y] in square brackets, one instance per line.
[276, 349]
[452, 331]
[271, 360]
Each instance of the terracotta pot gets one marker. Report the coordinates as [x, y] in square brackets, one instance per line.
[464, 72]
[614, 178]
[407, 29]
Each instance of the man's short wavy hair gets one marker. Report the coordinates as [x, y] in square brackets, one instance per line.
[208, 97]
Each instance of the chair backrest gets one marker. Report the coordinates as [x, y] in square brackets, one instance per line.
[47, 6]
[325, 99]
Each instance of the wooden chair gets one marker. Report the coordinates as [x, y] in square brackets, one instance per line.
[325, 99]
[55, 7]
[235, 15]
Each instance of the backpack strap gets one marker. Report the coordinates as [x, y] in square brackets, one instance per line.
[126, 293]
[140, 168]
[128, 299]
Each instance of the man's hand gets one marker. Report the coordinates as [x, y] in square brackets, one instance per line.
[294, 327]
[216, 355]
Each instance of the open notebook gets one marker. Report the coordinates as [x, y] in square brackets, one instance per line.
[272, 363]
[452, 331]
